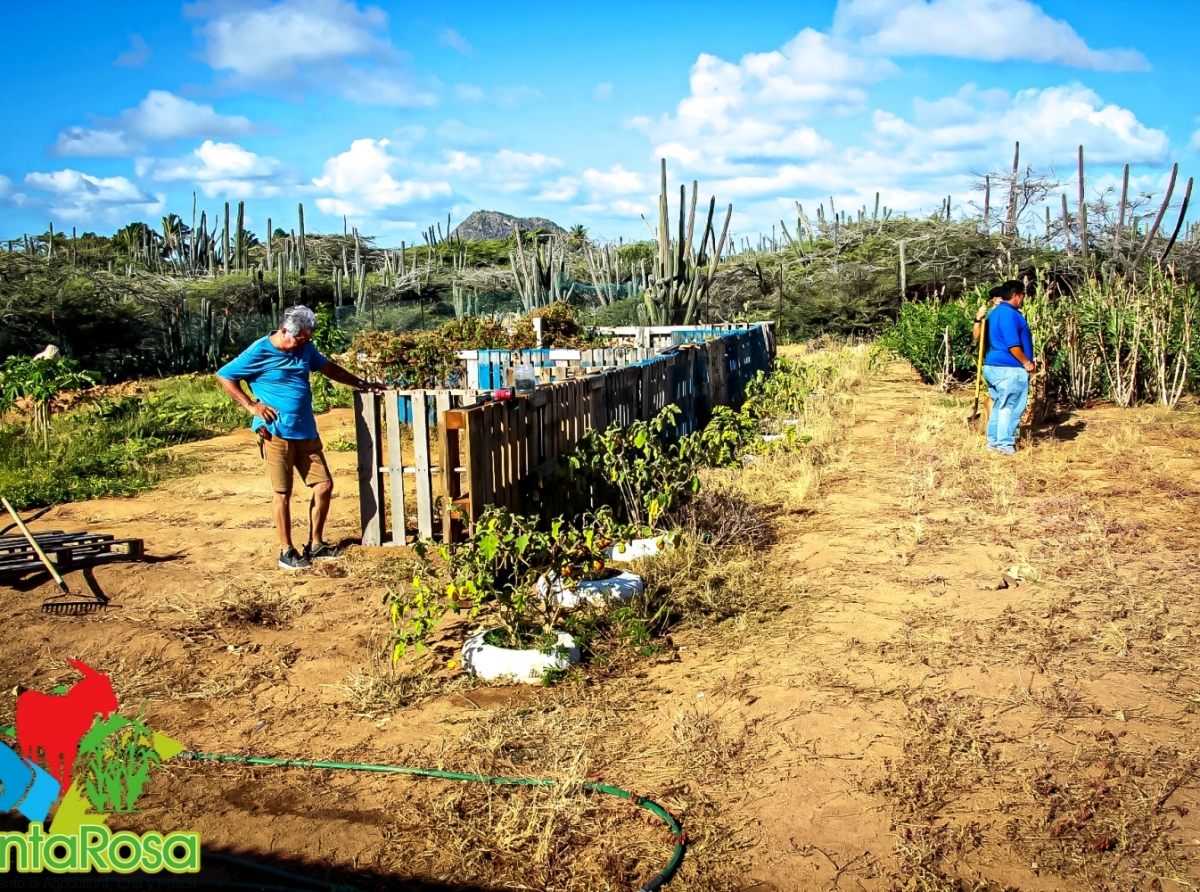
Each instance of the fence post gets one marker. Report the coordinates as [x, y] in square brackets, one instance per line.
[448, 458]
[370, 479]
[395, 465]
[424, 476]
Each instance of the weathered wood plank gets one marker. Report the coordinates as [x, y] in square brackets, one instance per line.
[370, 480]
[395, 465]
[424, 477]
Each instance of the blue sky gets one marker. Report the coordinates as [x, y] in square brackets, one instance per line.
[395, 114]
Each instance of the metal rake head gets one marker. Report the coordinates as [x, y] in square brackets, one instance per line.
[64, 606]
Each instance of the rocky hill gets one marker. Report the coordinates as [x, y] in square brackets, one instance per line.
[483, 225]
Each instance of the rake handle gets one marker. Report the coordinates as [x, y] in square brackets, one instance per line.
[33, 542]
[979, 363]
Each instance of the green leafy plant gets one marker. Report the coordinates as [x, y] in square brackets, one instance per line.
[116, 757]
[39, 380]
[507, 568]
[640, 470]
[936, 338]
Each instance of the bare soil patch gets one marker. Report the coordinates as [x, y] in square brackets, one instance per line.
[876, 714]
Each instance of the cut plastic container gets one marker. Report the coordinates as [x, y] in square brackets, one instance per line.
[597, 592]
[492, 663]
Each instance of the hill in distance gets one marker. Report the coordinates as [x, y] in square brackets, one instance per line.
[487, 225]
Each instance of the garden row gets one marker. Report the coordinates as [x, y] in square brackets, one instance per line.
[540, 586]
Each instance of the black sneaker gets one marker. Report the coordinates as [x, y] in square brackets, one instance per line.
[322, 551]
[293, 560]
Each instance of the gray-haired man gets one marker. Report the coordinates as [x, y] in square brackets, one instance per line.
[277, 369]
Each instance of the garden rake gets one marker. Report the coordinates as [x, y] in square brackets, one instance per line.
[66, 603]
[973, 421]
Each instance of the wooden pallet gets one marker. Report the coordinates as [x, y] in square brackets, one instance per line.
[67, 551]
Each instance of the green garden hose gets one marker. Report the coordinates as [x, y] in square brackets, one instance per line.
[655, 882]
[678, 837]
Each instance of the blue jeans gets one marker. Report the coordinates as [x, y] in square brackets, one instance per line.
[1008, 386]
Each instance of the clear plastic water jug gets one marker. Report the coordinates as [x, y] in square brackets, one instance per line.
[524, 378]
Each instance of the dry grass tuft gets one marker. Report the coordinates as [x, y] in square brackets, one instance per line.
[721, 516]
[262, 605]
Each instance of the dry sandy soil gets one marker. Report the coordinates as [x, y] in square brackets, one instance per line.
[884, 717]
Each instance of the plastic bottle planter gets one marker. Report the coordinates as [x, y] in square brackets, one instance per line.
[492, 663]
[624, 552]
[596, 592]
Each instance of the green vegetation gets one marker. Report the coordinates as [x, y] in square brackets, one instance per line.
[644, 478]
[113, 446]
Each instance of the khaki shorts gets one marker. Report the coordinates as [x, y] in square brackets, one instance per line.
[305, 456]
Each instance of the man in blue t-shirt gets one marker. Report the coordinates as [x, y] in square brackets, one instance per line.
[277, 368]
[1006, 367]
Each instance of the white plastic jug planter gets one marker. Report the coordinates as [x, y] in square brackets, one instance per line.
[493, 663]
[622, 587]
[623, 552]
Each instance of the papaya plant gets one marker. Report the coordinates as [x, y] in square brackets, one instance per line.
[39, 380]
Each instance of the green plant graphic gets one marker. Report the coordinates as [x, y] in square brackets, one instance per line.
[116, 757]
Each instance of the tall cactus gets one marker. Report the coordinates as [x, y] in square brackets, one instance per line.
[225, 243]
[677, 285]
[240, 258]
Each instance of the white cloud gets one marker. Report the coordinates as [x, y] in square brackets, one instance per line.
[296, 46]
[470, 93]
[970, 128]
[359, 181]
[221, 168]
[451, 38]
[161, 116]
[136, 56]
[562, 189]
[617, 181]
[457, 133]
[741, 115]
[993, 30]
[83, 142]
[603, 92]
[1194, 145]
[79, 196]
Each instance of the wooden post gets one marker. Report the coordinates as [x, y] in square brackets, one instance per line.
[424, 476]
[451, 488]
[473, 421]
[370, 480]
[395, 464]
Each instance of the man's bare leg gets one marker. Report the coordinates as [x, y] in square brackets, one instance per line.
[321, 495]
[281, 511]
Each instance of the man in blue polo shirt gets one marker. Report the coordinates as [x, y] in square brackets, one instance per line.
[277, 368]
[1006, 367]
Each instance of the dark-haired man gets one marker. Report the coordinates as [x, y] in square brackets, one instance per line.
[1006, 367]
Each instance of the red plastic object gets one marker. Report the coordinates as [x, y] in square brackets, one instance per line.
[504, 393]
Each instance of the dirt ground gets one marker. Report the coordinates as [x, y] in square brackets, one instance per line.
[886, 718]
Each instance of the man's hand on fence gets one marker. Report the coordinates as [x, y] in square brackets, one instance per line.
[372, 386]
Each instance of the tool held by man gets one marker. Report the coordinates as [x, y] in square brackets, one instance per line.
[973, 420]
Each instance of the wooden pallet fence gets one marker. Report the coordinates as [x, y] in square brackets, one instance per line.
[494, 449]
[433, 471]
